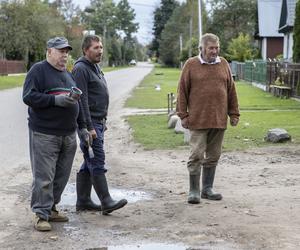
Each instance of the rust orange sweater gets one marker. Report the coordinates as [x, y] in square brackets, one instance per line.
[206, 94]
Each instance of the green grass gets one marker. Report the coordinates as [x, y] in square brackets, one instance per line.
[145, 96]
[7, 82]
[151, 131]
[260, 111]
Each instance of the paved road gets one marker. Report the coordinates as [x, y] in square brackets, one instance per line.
[13, 126]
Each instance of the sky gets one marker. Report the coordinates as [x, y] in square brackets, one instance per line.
[144, 16]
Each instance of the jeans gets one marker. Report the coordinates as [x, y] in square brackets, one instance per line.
[51, 162]
[95, 165]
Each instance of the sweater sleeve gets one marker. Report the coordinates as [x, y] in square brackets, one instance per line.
[81, 78]
[183, 92]
[33, 95]
[233, 105]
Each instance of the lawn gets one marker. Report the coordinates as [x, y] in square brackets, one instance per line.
[7, 82]
[145, 95]
[260, 111]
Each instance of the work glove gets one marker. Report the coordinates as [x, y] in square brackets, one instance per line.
[85, 137]
[64, 101]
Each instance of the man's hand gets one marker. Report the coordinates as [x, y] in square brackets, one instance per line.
[184, 123]
[85, 137]
[234, 121]
[93, 133]
[64, 101]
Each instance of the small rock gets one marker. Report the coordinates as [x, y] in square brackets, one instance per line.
[277, 135]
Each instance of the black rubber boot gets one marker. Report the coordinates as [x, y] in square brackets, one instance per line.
[107, 203]
[194, 194]
[83, 188]
[208, 177]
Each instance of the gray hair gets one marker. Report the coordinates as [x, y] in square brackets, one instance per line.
[208, 37]
[87, 41]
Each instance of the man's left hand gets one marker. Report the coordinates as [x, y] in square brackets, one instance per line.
[234, 121]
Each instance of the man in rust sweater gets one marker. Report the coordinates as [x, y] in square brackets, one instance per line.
[206, 97]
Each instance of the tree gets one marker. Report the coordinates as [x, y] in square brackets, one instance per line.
[228, 18]
[125, 16]
[184, 23]
[161, 17]
[296, 36]
[25, 28]
[240, 48]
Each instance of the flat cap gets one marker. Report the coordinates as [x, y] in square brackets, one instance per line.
[58, 43]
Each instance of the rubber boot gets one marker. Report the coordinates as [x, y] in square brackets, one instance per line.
[107, 203]
[83, 188]
[207, 184]
[194, 194]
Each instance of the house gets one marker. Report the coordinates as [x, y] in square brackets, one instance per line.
[270, 40]
[286, 24]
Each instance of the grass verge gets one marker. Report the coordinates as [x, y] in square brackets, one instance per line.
[260, 111]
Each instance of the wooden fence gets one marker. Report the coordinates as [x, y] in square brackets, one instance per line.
[12, 67]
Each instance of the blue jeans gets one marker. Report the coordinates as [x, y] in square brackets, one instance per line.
[95, 165]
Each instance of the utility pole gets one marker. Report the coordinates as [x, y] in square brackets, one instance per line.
[200, 19]
[180, 46]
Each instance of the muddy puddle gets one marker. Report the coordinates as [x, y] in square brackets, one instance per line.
[68, 197]
[162, 246]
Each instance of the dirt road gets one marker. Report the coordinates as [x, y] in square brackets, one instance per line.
[260, 209]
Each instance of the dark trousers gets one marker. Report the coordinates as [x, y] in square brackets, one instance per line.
[51, 162]
[95, 165]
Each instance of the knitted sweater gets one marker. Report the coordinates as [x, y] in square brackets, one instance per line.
[206, 94]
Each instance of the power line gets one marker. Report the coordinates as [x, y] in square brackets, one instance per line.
[142, 4]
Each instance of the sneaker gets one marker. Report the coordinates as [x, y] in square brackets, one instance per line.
[58, 217]
[41, 224]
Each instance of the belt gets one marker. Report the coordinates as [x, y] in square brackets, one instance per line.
[99, 120]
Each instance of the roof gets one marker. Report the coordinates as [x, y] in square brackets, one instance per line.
[268, 18]
[287, 16]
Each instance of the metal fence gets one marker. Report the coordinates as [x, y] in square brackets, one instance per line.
[267, 73]
[12, 67]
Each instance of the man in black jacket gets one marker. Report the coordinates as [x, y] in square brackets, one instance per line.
[94, 106]
[52, 130]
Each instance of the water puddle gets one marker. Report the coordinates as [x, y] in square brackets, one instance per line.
[69, 197]
[161, 246]
[143, 247]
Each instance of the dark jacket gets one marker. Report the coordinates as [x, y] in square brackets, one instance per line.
[94, 100]
[41, 85]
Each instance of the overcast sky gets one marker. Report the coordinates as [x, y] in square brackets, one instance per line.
[144, 16]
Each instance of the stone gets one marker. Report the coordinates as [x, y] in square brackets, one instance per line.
[277, 135]
[172, 121]
[187, 136]
[178, 128]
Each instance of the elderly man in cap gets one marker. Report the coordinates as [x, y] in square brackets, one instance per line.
[52, 125]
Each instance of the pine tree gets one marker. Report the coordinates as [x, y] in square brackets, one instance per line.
[296, 47]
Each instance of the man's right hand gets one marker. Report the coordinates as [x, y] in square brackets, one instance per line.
[64, 101]
[93, 133]
[85, 137]
[184, 123]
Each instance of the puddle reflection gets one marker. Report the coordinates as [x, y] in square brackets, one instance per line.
[69, 197]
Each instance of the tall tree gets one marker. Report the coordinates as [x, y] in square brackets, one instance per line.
[161, 16]
[296, 36]
[125, 16]
[184, 23]
[25, 28]
[230, 17]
